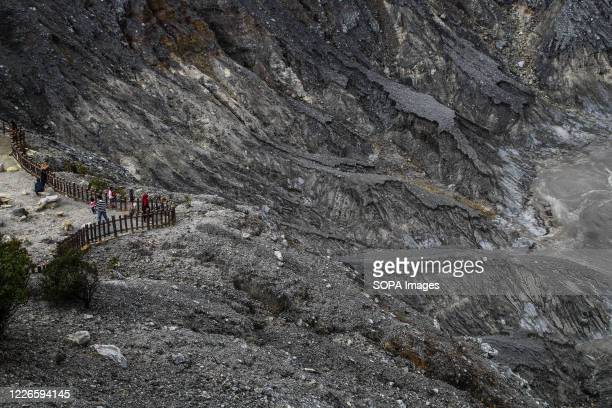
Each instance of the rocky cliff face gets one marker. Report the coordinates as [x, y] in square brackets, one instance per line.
[342, 110]
[343, 124]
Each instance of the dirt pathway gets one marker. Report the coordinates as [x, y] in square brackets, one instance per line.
[39, 230]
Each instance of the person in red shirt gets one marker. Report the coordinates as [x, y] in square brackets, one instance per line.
[145, 202]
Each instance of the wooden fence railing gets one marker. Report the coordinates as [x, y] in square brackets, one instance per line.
[76, 191]
[161, 212]
[96, 232]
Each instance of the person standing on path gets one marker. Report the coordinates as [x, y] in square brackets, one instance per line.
[132, 201]
[44, 174]
[145, 203]
[92, 204]
[101, 209]
[110, 196]
[39, 185]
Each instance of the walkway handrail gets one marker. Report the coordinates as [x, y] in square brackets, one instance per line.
[68, 188]
[161, 212]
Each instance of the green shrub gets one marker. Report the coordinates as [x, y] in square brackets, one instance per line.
[120, 191]
[98, 184]
[81, 169]
[14, 274]
[113, 263]
[69, 166]
[69, 278]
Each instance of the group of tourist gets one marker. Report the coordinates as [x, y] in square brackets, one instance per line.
[108, 199]
[98, 204]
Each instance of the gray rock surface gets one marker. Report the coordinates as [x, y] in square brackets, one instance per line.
[80, 338]
[314, 129]
[111, 352]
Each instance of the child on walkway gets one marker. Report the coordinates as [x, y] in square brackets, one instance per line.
[92, 204]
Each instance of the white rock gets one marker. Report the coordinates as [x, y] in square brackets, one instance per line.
[111, 352]
[278, 255]
[521, 64]
[45, 201]
[488, 350]
[80, 338]
[180, 358]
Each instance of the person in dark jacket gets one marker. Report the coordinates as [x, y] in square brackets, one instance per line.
[39, 186]
[132, 199]
[44, 174]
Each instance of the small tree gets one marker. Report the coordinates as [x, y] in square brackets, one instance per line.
[68, 278]
[14, 274]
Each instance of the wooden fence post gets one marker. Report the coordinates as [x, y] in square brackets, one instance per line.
[114, 226]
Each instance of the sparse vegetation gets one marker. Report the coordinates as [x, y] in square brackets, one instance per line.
[98, 184]
[14, 274]
[69, 278]
[113, 263]
[81, 169]
[75, 167]
[120, 191]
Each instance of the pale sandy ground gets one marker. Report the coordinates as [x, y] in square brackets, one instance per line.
[42, 230]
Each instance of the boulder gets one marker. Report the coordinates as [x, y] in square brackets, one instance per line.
[80, 338]
[488, 350]
[111, 352]
[278, 255]
[12, 169]
[501, 44]
[180, 358]
[45, 201]
[68, 226]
